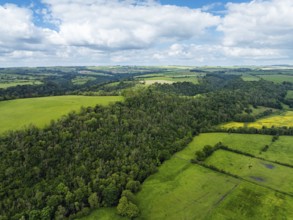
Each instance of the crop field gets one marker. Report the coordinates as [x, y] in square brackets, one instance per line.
[278, 78]
[281, 120]
[16, 114]
[182, 190]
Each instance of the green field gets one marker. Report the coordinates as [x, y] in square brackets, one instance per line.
[262, 172]
[80, 80]
[250, 78]
[289, 95]
[16, 114]
[182, 190]
[4, 85]
[166, 79]
[278, 78]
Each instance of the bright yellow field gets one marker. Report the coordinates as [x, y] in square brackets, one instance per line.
[285, 119]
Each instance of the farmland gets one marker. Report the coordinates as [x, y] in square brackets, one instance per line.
[176, 75]
[181, 190]
[178, 186]
[278, 78]
[279, 120]
[18, 113]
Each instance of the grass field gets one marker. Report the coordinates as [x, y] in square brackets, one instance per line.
[250, 78]
[103, 214]
[262, 172]
[181, 190]
[80, 80]
[278, 78]
[4, 85]
[283, 119]
[16, 114]
[289, 95]
[169, 80]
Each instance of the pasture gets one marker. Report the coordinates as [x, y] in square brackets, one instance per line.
[182, 190]
[262, 172]
[289, 95]
[247, 77]
[4, 85]
[16, 114]
[277, 78]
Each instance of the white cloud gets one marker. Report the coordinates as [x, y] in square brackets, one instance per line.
[259, 24]
[118, 25]
[90, 32]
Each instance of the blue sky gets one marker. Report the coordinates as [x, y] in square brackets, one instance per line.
[145, 32]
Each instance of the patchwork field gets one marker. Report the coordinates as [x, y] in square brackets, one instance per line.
[284, 119]
[182, 190]
[16, 114]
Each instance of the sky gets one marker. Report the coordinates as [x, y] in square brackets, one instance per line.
[146, 32]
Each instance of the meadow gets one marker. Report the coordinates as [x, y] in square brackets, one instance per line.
[15, 114]
[278, 78]
[171, 77]
[262, 172]
[182, 190]
[4, 85]
[289, 95]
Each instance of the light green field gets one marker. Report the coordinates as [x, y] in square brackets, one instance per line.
[249, 202]
[262, 172]
[80, 80]
[181, 190]
[103, 214]
[278, 78]
[289, 95]
[18, 83]
[16, 114]
[281, 150]
[250, 78]
[169, 80]
[284, 119]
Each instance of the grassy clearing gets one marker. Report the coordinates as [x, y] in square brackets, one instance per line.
[169, 80]
[283, 119]
[250, 78]
[278, 78]
[80, 80]
[262, 172]
[103, 214]
[4, 85]
[16, 114]
[289, 95]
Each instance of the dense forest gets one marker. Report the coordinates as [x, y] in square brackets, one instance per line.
[88, 159]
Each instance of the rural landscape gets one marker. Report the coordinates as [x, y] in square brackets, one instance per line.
[146, 110]
[125, 142]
